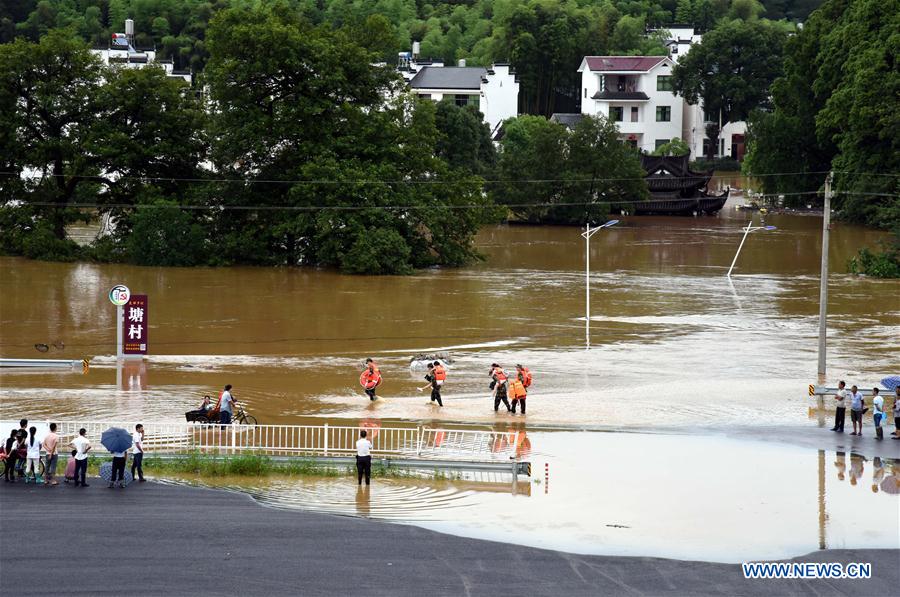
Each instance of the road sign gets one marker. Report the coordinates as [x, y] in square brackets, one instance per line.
[119, 295]
[135, 325]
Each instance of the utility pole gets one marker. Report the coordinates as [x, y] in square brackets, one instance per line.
[823, 279]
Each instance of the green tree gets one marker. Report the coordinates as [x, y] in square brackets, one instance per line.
[336, 171]
[834, 109]
[531, 167]
[49, 92]
[464, 139]
[676, 147]
[731, 70]
[685, 12]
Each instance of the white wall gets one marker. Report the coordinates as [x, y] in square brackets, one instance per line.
[646, 130]
[499, 96]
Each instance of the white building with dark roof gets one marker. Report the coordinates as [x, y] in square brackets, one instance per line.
[122, 52]
[493, 91]
[636, 93]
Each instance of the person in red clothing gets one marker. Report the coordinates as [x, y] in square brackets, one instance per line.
[370, 378]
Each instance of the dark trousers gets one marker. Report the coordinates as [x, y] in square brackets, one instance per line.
[897, 424]
[857, 417]
[9, 468]
[839, 416]
[436, 395]
[80, 471]
[520, 401]
[363, 467]
[371, 394]
[137, 460]
[224, 417]
[501, 398]
[118, 469]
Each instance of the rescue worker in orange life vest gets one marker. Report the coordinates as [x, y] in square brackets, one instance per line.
[498, 387]
[518, 386]
[435, 378]
[370, 378]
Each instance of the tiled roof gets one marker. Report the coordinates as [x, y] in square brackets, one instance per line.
[639, 96]
[448, 77]
[622, 63]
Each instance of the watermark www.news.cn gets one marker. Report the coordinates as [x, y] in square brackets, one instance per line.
[806, 570]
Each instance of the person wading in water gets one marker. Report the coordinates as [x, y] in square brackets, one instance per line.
[369, 379]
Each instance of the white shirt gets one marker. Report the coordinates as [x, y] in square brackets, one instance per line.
[878, 403]
[363, 447]
[81, 445]
[34, 451]
[138, 445]
[841, 397]
[118, 454]
[226, 402]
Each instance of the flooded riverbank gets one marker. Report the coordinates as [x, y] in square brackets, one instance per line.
[667, 329]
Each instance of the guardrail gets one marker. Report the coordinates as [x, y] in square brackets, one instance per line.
[303, 440]
[815, 390]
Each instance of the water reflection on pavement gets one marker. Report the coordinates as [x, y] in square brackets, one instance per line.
[711, 499]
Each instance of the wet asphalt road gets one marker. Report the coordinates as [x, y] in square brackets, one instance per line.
[155, 539]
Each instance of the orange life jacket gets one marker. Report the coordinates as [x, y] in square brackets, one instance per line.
[440, 374]
[369, 379]
[499, 374]
[518, 388]
[527, 378]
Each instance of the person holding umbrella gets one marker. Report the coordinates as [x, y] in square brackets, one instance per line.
[117, 441]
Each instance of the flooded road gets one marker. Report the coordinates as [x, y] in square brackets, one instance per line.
[673, 342]
[691, 498]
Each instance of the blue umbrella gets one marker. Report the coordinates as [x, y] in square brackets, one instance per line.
[116, 439]
[892, 382]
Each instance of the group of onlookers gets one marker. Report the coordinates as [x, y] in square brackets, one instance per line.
[22, 457]
[857, 404]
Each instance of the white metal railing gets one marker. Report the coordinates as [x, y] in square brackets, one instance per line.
[300, 440]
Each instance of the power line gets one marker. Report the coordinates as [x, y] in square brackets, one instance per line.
[306, 208]
[402, 181]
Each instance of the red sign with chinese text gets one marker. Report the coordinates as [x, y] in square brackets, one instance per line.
[135, 325]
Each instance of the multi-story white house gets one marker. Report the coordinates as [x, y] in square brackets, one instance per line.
[679, 40]
[121, 51]
[635, 92]
[493, 91]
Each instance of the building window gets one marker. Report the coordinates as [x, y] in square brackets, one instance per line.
[709, 116]
[664, 82]
[634, 114]
[585, 92]
[616, 113]
[706, 146]
[425, 96]
[661, 142]
[663, 113]
[461, 100]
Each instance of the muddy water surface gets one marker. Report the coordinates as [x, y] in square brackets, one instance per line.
[673, 342]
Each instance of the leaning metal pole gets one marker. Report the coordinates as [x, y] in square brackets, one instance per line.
[733, 261]
[823, 279]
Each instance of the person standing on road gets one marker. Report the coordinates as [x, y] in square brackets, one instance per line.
[363, 458]
[878, 415]
[896, 433]
[137, 457]
[370, 378]
[82, 447]
[51, 448]
[118, 469]
[23, 457]
[857, 409]
[841, 397]
[226, 406]
[9, 466]
[33, 456]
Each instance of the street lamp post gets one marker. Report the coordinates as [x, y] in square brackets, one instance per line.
[747, 230]
[587, 234]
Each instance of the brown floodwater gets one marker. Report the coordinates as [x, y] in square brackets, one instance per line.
[673, 342]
